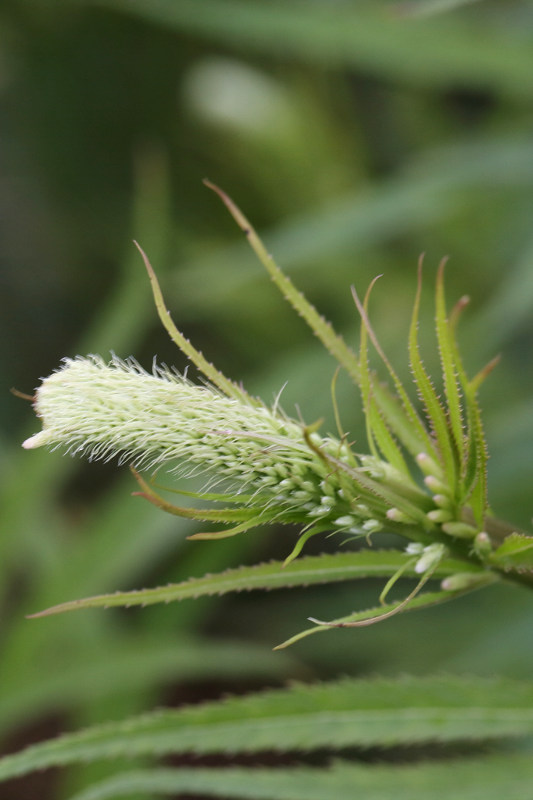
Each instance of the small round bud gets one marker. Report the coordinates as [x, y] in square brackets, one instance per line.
[439, 515]
[483, 544]
[463, 581]
[395, 515]
[345, 522]
[428, 465]
[430, 557]
[372, 526]
[442, 500]
[434, 485]
[459, 530]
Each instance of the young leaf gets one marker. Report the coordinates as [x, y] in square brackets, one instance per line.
[516, 553]
[433, 407]
[413, 435]
[448, 353]
[378, 433]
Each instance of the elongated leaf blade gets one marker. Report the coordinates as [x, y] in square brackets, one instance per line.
[434, 411]
[341, 714]
[392, 411]
[492, 778]
[378, 433]
[447, 351]
[195, 356]
[304, 571]
[318, 324]
[413, 435]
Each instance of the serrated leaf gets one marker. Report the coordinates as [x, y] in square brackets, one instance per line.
[195, 356]
[491, 778]
[413, 435]
[434, 411]
[319, 325]
[420, 601]
[305, 571]
[473, 476]
[478, 495]
[335, 715]
[332, 341]
[379, 436]
[516, 553]
[447, 351]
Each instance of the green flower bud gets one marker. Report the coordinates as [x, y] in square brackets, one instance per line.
[162, 420]
[459, 530]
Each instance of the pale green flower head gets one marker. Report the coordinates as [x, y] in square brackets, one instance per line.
[162, 420]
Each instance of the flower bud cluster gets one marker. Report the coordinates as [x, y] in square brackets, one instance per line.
[162, 420]
[103, 411]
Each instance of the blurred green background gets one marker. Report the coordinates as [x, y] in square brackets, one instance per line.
[355, 135]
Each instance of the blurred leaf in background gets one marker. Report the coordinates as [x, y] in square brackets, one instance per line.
[355, 135]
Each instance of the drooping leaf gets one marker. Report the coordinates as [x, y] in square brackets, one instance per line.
[420, 601]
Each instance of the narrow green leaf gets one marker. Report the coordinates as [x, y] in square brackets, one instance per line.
[420, 601]
[342, 714]
[201, 514]
[378, 433]
[447, 351]
[473, 481]
[323, 329]
[227, 533]
[305, 571]
[211, 372]
[491, 778]
[320, 326]
[478, 493]
[248, 517]
[411, 431]
[428, 395]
